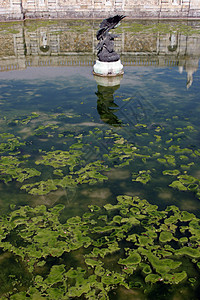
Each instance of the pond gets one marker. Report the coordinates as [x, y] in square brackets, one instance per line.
[99, 178]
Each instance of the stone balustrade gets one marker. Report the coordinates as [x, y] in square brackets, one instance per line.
[23, 9]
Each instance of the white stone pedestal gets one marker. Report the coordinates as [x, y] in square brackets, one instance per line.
[102, 68]
[108, 80]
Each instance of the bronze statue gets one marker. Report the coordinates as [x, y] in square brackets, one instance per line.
[105, 46]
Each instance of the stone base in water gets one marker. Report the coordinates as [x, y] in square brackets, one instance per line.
[108, 80]
[102, 68]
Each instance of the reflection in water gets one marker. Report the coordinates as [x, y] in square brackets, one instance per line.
[173, 42]
[44, 42]
[106, 106]
[63, 44]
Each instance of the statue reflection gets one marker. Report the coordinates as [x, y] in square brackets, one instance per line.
[106, 106]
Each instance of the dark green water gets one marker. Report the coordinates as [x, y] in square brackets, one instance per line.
[75, 140]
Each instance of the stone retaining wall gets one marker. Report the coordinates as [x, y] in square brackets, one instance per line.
[22, 9]
[56, 46]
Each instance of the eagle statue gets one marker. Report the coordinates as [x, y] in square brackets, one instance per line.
[105, 45]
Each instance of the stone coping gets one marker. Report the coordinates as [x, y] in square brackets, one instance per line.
[132, 12]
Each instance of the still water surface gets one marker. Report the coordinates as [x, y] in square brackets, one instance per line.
[71, 138]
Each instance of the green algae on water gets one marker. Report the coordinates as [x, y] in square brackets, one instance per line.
[150, 251]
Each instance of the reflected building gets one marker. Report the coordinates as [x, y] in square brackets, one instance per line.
[44, 43]
[23, 9]
[65, 44]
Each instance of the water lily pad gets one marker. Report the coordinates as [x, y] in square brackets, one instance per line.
[187, 179]
[162, 160]
[178, 185]
[153, 278]
[60, 158]
[133, 259]
[55, 275]
[9, 169]
[12, 143]
[117, 219]
[142, 176]
[41, 188]
[183, 240]
[193, 187]
[188, 251]
[171, 172]
[165, 236]
[176, 278]
[92, 262]
[185, 216]
[146, 269]
[58, 172]
[132, 233]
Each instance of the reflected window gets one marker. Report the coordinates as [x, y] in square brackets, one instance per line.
[44, 44]
[173, 43]
[175, 2]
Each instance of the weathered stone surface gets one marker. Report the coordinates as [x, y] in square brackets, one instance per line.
[23, 47]
[21, 9]
[7, 45]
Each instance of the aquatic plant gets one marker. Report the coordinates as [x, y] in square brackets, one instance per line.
[9, 170]
[45, 130]
[12, 143]
[71, 169]
[89, 174]
[58, 159]
[187, 183]
[143, 176]
[23, 120]
[34, 235]
[129, 243]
